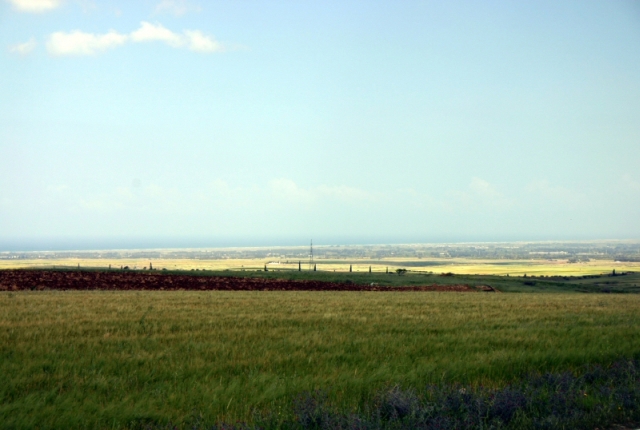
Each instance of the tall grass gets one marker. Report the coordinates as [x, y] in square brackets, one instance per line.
[114, 359]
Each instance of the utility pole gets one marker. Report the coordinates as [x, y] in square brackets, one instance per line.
[311, 264]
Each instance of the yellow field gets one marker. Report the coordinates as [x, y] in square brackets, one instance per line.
[436, 265]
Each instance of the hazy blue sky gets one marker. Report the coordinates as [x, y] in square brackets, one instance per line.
[272, 122]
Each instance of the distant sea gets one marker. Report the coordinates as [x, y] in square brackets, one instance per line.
[121, 242]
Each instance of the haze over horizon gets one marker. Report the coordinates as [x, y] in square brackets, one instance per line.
[194, 123]
[97, 244]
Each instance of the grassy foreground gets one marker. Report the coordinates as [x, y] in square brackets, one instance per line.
[122, 359]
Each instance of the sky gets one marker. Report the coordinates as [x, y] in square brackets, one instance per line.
[169, 123]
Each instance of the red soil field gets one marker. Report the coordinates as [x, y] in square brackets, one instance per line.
[20, 280]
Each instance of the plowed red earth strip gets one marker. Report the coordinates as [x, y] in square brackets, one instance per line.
[17, 280]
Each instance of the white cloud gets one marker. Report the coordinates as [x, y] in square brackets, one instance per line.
[24, 48]
[345, 193]
[35, 6]
[80, 43]
[199, 42]
[289, 191]
[175, 7]
[480, 194]
[542, 193]
[194, 40]
[483, 188]
[150, 33]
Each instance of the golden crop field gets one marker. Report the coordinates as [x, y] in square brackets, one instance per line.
[435, 265]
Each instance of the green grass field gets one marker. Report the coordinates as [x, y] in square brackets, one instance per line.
[121, 359]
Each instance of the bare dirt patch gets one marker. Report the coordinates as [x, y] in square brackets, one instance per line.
[20, 280]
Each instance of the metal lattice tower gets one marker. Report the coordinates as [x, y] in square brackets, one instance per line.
[311, 256]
